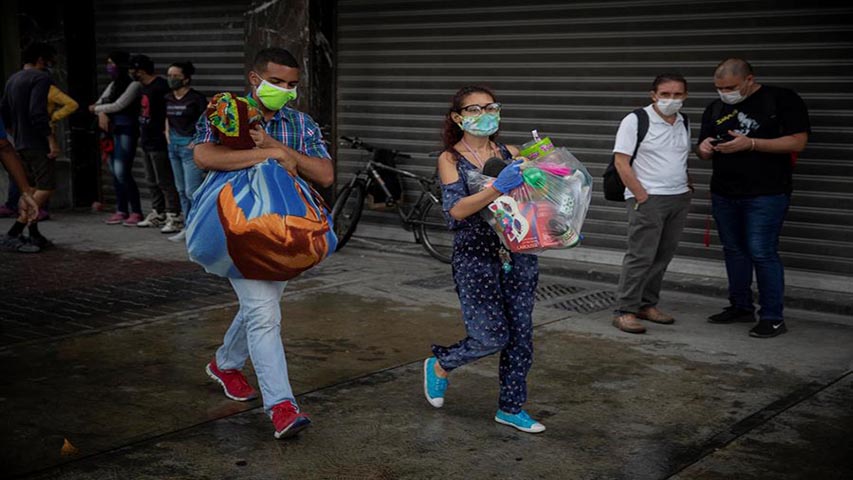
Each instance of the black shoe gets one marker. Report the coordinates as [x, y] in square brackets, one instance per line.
[40, 242]
[768, 329]
[11, 243]
[732, 314]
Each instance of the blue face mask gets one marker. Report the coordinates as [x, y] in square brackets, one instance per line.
[483, 125]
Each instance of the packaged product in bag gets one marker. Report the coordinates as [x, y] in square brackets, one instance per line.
[548, 210]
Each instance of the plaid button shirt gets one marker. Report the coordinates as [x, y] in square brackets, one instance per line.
[290, 127]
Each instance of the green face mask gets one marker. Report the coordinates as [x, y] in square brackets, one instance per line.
[274, 97]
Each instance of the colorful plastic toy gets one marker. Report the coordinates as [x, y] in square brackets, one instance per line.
[548, 210]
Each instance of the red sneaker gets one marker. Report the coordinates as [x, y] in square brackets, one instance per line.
[116, 218]
[233, 382]
[133, 220]
[288, 420]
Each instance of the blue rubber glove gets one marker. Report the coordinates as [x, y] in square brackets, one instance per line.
[510, 178]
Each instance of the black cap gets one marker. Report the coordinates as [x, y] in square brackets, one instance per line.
[141, 62]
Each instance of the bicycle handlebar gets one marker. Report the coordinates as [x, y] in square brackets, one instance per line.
[358, 143]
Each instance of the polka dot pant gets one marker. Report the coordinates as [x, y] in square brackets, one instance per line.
[497, 308]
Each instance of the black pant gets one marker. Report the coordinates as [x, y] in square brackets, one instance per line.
[161, 182]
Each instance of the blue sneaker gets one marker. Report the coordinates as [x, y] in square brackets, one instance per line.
[434, 386]
[520, 420]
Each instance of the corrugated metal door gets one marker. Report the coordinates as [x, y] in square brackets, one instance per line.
[208, 33]
[574, 69]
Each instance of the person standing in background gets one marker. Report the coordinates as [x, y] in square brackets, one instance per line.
[118, 112]
[152, 137]
[59, 106]
[184, 106]
[24, 112]
[657, 197]
[752, 135]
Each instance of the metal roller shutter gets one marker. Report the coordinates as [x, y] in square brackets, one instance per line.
[208, 33]
[574, 69]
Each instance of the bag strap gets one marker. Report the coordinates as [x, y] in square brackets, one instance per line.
[642, 130]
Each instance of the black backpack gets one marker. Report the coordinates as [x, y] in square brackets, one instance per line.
[614, 189]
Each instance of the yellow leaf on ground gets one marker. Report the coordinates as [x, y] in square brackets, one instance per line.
[68, 450]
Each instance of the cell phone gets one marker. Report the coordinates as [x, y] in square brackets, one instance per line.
[722, 139]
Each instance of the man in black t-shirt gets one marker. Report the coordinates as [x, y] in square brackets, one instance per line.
[752, 135]
[24, 111]
[152, 128]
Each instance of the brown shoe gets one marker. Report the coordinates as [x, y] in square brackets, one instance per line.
[652, 314]
[627, 322]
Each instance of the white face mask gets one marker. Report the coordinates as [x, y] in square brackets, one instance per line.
[731, 98]
[669, 106]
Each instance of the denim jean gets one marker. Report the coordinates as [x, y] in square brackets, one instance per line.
[255, 333]
[188, 176]
[749, 230]
[121, 166]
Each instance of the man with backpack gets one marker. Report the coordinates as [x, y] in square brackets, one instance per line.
[752, 135]
[650, 158]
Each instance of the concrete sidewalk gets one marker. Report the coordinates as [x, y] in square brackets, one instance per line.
[125, 387]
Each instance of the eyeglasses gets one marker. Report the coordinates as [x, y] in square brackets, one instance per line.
[479, 109]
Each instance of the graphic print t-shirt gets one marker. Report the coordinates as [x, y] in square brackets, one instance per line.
[770, 112]
[152, 115]
[184, 113]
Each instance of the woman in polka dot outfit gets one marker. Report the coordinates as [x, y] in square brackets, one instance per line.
[495, 287]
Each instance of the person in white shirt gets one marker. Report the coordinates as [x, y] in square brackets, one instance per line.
[657, 198]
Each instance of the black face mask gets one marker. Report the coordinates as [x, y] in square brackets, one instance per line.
[175, 83]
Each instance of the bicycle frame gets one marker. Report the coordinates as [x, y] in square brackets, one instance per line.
[424, 218]
[371, 175]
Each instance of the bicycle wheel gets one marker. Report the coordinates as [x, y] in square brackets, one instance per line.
[433, 233]
[347, 211]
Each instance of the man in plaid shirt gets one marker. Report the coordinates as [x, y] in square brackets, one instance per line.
[294, 140]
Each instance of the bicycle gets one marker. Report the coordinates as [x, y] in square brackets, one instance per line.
[425, 218]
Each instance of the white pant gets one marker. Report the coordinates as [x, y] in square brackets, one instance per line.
[256, 333]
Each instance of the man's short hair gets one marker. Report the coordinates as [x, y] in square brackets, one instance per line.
[734, 66]
[669, 77]
[37, 50]
[142, 62]
[276, 55]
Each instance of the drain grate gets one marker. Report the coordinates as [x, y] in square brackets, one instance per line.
[589, 302]
[555, 295]
[551, 291]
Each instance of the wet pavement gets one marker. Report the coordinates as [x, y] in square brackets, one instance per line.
[104, 340]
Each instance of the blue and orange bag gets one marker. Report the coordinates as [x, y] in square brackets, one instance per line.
[258, 223]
